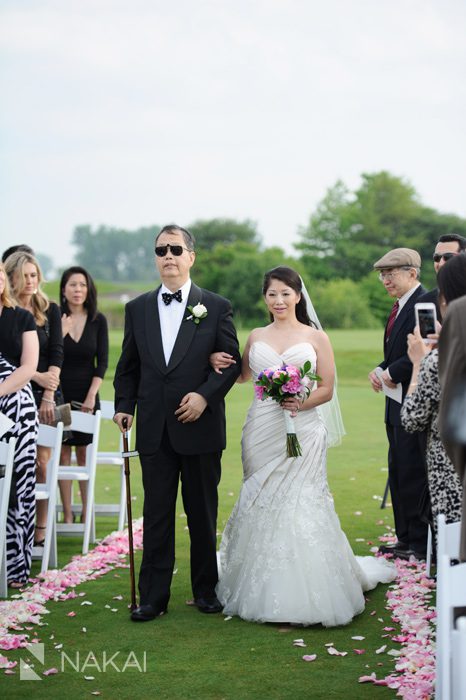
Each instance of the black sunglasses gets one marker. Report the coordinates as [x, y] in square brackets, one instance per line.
[446, 256]
[176, 250]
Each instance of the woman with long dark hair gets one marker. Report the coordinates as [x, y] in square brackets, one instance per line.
[85, 342]
[283, 556]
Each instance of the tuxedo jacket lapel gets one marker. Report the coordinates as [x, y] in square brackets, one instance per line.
[186, 331]
[399, 322]
[154, 336]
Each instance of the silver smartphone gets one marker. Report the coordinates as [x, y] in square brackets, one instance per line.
[426, 318]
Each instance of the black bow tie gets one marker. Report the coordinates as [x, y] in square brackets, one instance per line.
[167, 297]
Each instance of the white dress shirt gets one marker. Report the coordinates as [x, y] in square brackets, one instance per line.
[171, 315]
[402, 300]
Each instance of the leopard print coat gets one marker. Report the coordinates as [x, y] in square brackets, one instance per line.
[420, 412]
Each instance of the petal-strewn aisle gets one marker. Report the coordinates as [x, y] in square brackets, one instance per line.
[22, 610]
[409, 601]
[410, 604]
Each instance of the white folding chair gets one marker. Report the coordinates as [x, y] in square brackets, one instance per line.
[429, 550]
[115, 459]
[49, 436]
[451, 594]
[448, 541]
[448, 537]
[458, 644]
[7, 456]
[83, 423]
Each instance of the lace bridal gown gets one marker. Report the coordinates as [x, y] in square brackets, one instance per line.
[284, 556]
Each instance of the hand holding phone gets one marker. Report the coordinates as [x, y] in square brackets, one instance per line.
[426, 320]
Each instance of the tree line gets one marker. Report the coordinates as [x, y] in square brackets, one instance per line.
[335, 251]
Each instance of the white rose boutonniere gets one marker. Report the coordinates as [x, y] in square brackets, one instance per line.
[198, 312]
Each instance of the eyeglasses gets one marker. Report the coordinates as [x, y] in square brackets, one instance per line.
[176, 250]
[390, 275]
[446, 256]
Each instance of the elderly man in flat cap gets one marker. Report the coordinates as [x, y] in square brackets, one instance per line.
[399, 272]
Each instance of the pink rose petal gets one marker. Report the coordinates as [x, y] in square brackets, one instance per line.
[50, 672]
[334, 652]
[367, 679]
[309, 657]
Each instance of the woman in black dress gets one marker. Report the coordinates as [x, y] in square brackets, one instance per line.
[85, 342]
[25, 278]
[19, 353]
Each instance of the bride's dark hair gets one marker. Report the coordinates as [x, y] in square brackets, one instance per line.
[291, 278]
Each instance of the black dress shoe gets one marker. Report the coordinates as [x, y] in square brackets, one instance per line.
[208, 605]
[393, 548]
[144, 613]
[407, 553]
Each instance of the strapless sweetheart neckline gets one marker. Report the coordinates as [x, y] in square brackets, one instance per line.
[284, 352]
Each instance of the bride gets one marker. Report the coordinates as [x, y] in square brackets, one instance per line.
[283, 555]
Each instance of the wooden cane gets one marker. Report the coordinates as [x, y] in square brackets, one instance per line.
[126, 454]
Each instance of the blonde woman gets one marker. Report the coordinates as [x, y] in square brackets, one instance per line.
[19, 353]
[25, 277]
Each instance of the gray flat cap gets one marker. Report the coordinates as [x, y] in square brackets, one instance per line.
[399, 257]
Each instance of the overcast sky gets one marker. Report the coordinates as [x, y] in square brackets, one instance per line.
[147, 111]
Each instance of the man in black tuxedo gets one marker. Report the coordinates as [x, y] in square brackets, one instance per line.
[164, 370]
[399, 272]
[448, 245]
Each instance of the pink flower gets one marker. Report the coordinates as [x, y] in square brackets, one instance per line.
[259, 392]
[293, 386]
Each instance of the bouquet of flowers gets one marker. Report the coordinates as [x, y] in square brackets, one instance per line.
[279, 383]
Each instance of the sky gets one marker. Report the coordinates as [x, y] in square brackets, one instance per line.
[140, 112]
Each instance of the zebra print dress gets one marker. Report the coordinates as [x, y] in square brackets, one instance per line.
[21, 408]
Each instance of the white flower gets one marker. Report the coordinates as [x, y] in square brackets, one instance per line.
[199, 311]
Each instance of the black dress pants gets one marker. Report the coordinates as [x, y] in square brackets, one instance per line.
[408, 483]
[200, 476]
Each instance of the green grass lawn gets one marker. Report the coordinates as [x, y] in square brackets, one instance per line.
[190, 655]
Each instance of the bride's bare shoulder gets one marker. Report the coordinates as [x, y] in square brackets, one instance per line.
[317, 337]
[257, 334]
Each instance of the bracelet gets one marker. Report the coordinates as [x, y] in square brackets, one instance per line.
[49, 401]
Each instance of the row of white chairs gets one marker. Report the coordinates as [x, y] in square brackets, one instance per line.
[52, 437]
[450, 682]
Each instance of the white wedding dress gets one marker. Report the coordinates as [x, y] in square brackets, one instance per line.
[283, 555]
